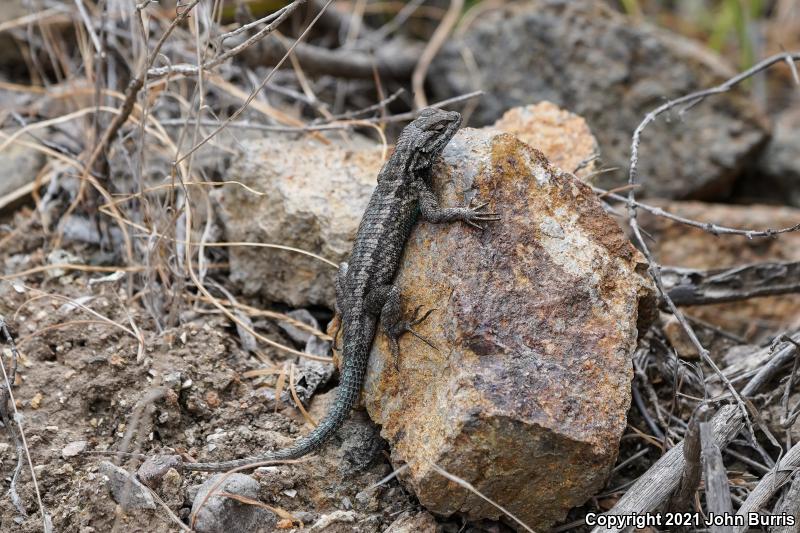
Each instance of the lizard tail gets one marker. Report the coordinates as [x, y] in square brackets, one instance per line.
[346, 398]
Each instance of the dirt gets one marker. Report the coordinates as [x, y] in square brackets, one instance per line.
[82, 377]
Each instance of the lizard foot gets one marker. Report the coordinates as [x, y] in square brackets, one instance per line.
[475, 214]
[406, 326]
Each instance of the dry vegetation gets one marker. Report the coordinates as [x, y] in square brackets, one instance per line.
[113, 252]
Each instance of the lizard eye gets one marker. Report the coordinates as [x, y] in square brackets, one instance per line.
[440, 127]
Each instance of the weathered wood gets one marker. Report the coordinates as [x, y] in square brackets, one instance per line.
[687, 286]
[790, 505]
[718, 494]
[770, 483]
[683, 498]
[655, 485]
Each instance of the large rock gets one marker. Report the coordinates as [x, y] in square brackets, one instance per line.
[776, 176]
[563, 137]
[315, 194]
[597, 63]
[10, 54]
[526, 395]
[19, 166]
[678, 245]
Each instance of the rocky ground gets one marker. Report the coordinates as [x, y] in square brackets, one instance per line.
[184, 308]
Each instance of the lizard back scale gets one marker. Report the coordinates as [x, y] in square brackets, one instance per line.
[364, 289]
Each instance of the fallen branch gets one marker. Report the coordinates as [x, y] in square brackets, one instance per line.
[687, 286]
[683, 498]
[769, 484]
[718, 495]
[657, 484]
[394, 59]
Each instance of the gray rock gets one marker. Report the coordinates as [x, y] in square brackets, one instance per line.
[776, 177]
[309, 375]
[221, 514]
[527, 392]
[313, 199]
[356, 446]
[125, 488]
[296, 334]
[73, 449]
[18, 165]
[585, 57]
[409, 522]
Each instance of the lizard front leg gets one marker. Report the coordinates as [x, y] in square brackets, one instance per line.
[432, 212]
[386, 302]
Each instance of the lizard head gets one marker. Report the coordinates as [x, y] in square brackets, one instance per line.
[424, 139]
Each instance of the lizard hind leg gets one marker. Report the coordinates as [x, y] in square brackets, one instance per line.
[386, 302]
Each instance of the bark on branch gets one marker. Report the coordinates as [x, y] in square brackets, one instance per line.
[701, 287]
[394, 59]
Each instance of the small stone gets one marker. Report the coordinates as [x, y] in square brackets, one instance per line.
[300, 336]
[344, 517]
[126, 489]
[36, 401]
[678, 338]
[290, 493]
[221, 514]
[171, 488]
[73, 449]
[173, 380]
[212, 399]
[409, 522]
[217, 436]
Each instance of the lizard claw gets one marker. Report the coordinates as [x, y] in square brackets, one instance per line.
[414, 320]
[476, 214]
[406, 326]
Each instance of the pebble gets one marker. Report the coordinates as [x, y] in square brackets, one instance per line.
[73, 449]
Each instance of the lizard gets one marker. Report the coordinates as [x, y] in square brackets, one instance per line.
[365, 293]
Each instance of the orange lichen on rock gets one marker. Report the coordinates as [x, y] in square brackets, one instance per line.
[527, 391]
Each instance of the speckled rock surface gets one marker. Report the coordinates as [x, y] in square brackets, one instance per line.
[214, 513]
[125, 488]
[19, 165]
[593, 61]
[563, 137]
[527, 393]
[776, 176]
[314, 196]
